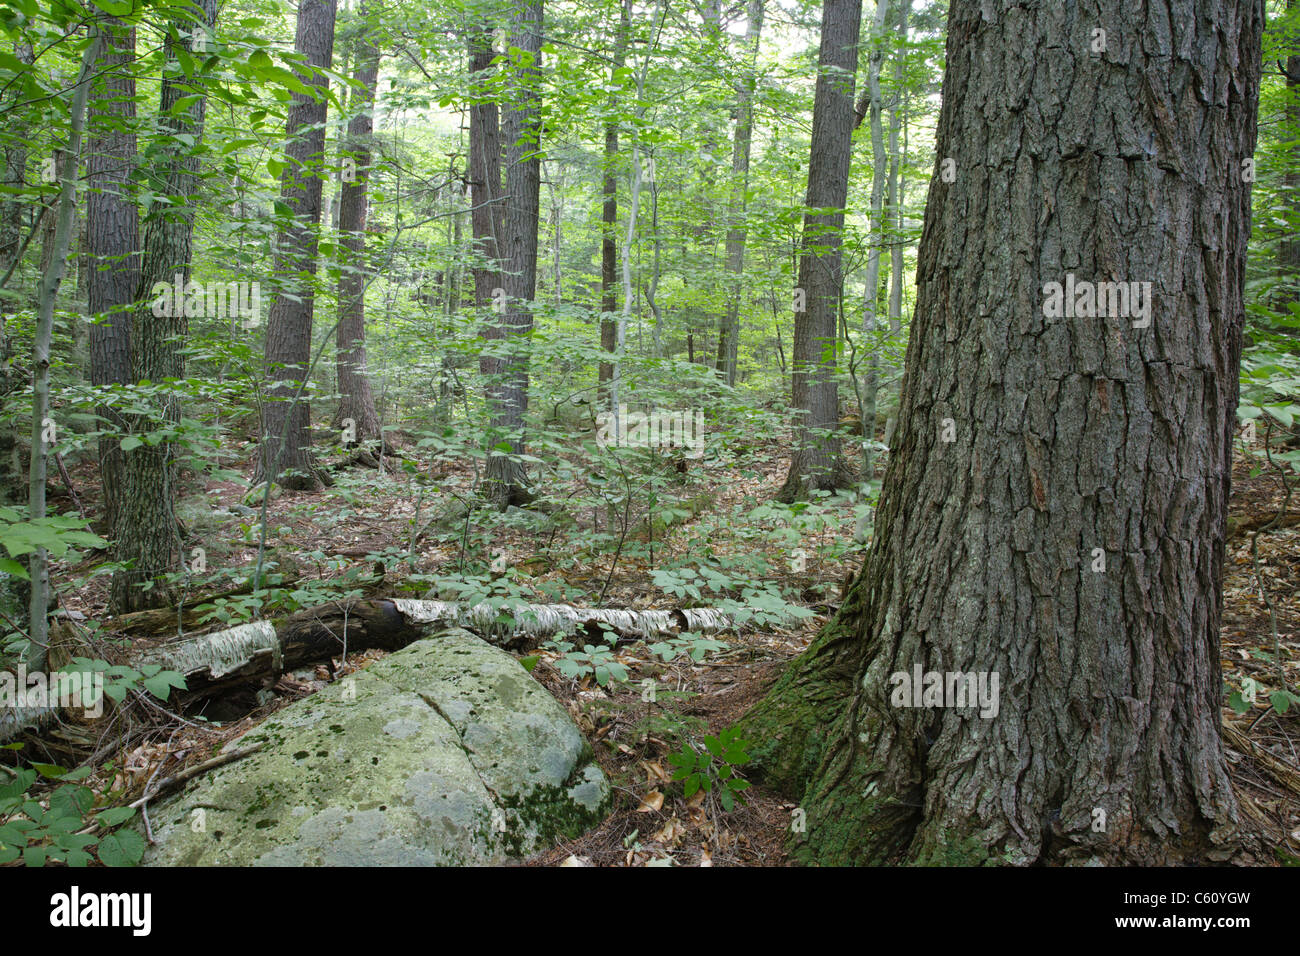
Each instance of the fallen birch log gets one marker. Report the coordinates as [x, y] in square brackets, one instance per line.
[234, 655]
[216, 662]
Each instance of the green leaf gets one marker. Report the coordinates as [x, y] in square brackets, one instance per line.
[72, 800]
[130, 442]
[160, 685]
[114, 816]
[121, 848]
[9, 566]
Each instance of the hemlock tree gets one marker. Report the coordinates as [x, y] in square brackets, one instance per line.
[1055, 502]
[286, 416]
[816, 463]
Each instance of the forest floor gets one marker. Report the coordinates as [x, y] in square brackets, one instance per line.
[653, 823]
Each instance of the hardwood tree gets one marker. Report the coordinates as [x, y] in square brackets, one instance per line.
[1055, 501]
[52, 276]
[145, 528]
[356, 400]
[487, 208]
[609, 207]
[286, 454]
[816, 463]
[508, 331]
[729, 333]
[112, 239]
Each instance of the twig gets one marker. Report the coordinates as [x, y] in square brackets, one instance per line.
[168, 784]
[67, 483]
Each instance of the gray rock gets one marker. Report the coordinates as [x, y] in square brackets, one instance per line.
[444, 753]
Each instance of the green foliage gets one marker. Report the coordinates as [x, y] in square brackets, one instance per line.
[594, 660]
[714, 765]
[119, 680]
[70, 823]
[55, 533]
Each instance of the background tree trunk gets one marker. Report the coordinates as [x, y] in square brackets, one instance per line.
[355, 398]
[897, 117]
[145, 528]
[1068, 435]
[871, 107]
[487, 207]
[609, 210]
[286, 422]
[112, 239]
[506, 479]
[38, 563]
[729, 334]
[816, 463]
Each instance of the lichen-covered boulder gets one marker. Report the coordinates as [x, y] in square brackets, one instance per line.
[444, 753]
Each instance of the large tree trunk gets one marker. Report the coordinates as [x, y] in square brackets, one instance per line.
[144, 527]
[507, 391]
[729, 334]
[286, 416]
[609, 209]
[113, 240]
[356, 402]
[816, 463]
[1033, 448]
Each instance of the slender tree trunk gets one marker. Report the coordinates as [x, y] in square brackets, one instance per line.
[816, 463]
[506, 479]
[42, 436]
[13, 213]
[113, 240]
[356, 402]
[896, 120]
[871, 107]
[449, 360]
[729, 334]
[609, 211]
[145, 528]
[487, 209]
[286, 416]
[1055, 509]
[1289, 249]
[13, 207]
